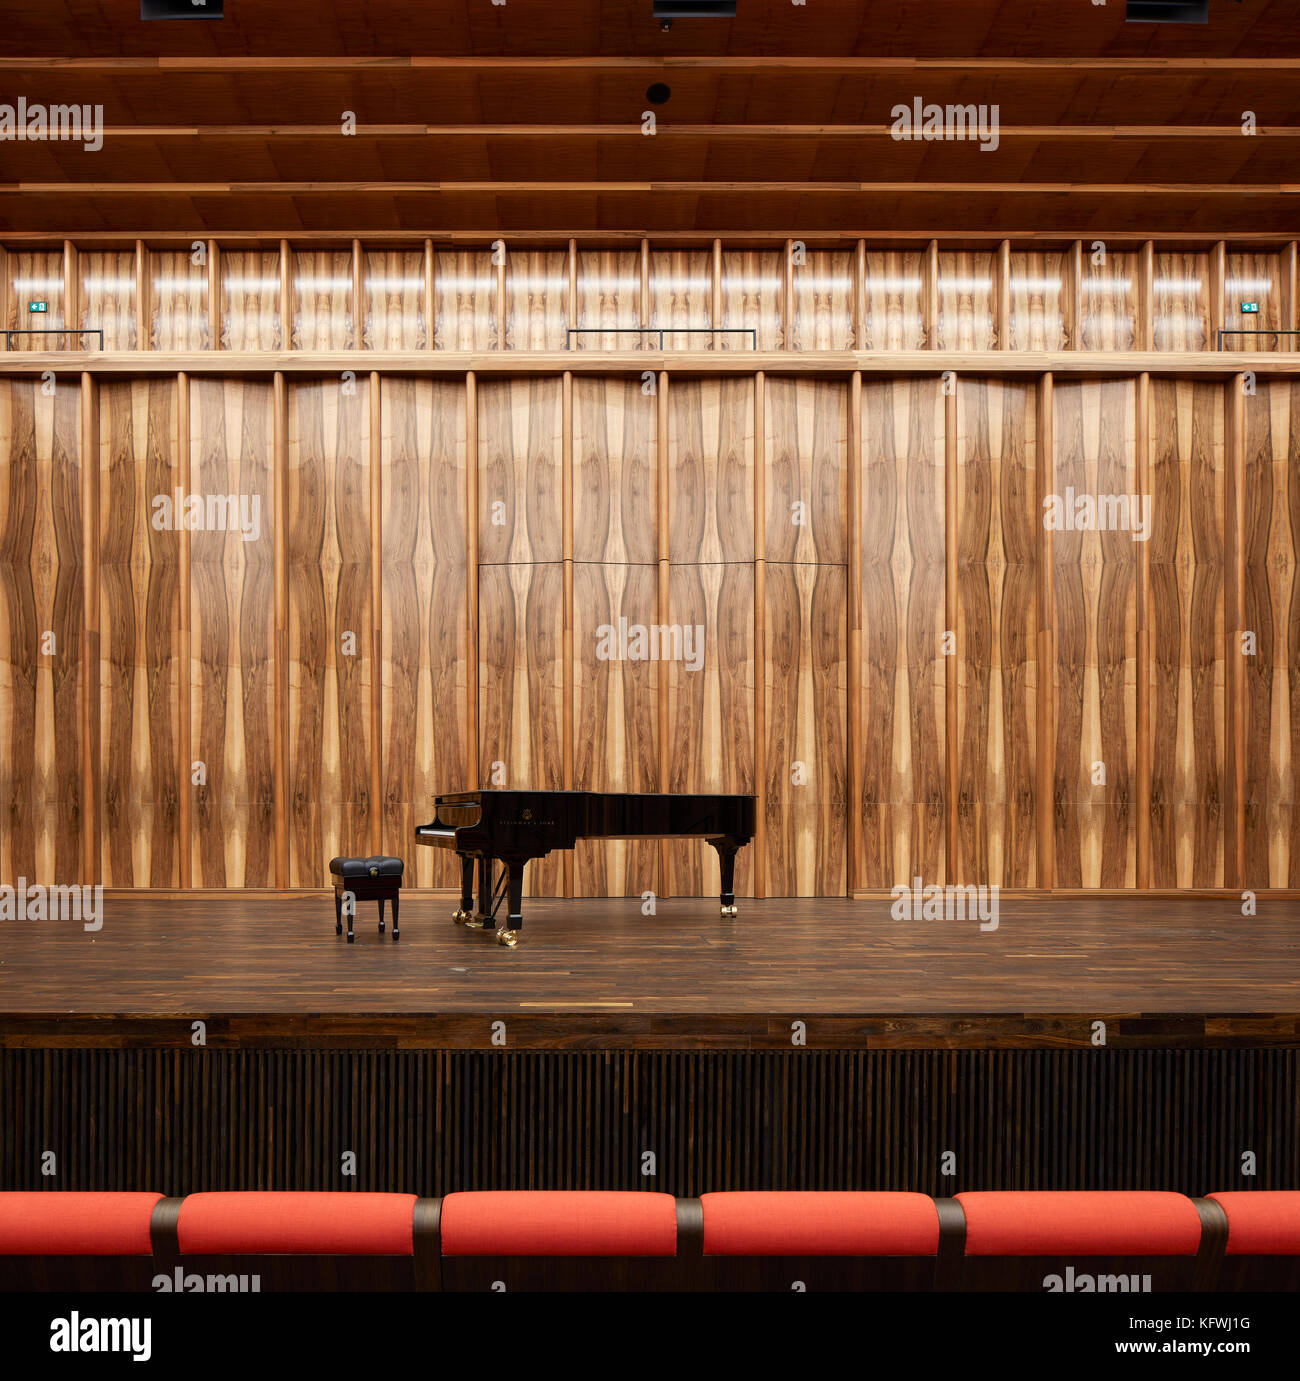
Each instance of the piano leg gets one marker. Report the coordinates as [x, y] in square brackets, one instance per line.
[508, 934]
[466, 908]
[484, 913]
[727, 862]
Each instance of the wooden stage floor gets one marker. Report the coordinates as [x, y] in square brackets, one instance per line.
[267, 970]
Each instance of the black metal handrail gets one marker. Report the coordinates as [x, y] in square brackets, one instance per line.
[661, 332]
[55, 331]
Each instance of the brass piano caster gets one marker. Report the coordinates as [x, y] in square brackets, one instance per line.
[509, 938]
[729, 911]
[459, 916]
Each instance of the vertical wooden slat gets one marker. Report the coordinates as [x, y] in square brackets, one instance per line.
[1218, 277]
[89, 650]
[185, 676]
[566, 509]
[377, 609]
[280, 484]
[471, 577]
[1146, 297]
[760, 636]
[950, 621]
[1234, 622]
[665, 585]
[1143, 746]
[573, 284]
[643, 305]
[787, 298]
[358, 334]
[1074, 325]
[860, 300]
[4, 297]
[143, 300]
[214, 295]
[1290, 316]
[854, 735]
[501, 300]
[932, 296]
[428, 295]
[1002, 326]
[286, 321]
[715, 291]
[1046, 644]
[71, 295]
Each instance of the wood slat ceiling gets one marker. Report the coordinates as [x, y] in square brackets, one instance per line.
[510, 117]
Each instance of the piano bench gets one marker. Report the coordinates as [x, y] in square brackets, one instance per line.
[365, 879]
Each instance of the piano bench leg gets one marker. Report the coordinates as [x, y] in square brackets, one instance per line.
[338, 914]
[508, 934]
[396, 932]
[381, 915]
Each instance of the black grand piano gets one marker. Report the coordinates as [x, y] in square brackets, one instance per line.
[510, 827]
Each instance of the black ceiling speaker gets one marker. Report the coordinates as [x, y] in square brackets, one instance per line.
[1168, 12]
[181, 9]
[695, 9]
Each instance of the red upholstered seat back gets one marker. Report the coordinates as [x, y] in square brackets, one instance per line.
[1080, 1223]
[69, 1223]
[799, 1223]
[1261, 1222]
[559, 1223]
[325, 1224]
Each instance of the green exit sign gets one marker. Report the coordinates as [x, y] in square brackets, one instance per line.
[37, 307]
[1249, 308]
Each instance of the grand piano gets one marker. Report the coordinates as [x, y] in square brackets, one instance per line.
[497, 826]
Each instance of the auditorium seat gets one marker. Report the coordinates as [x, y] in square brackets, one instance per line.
[791, 1240]
[1080, 1241]
[553, 1239]
[1262, 1247]
[70, 1240]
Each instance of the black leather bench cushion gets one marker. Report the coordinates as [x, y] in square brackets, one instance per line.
[366, 867]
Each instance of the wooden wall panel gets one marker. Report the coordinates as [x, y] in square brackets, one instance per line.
[537, 300]
[41, 565]
[1253, 278]
[330, 625]
[106, 296]
[807, 470]
[967, 300]
[609, 297]
[1094, 593]
[823, 301]
[520, 485]
[753, 288]
[711, 588]
[393, 305]
[893, 316]
[250, 300]
[1187, 634]
[464, 300]
[997, 654]
[425, 657]
[1181, 296]
[1109, 310]
[681, 295]
[1272, 603]
[1038, 300]
[37, 276]
[615, 730]
[903, 745]
[178, 302]
[143, 665]
[320, 296]
[232, 642]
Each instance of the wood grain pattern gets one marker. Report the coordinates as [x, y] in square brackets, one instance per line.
[425, 657]
[251, 310]
[142, 670]
[681, 295]
[807, 471]
[537, 299]
[178, 302]
[41, 626]
[710, 544]
[321, 297]
[330, 623]
[1094, 595]
[893, 313]
[1272, 608]
[37, 276]
[752, 287]
[1109, 309]
[464, 300]
[1181, 302]
[997, 655]
[967, 302]
[106, 296]
[1187, 634]
[233, 639]
[904, 674]
[823, 301]
[1253, 278]
[393, 301]
[520, 485]
[1038, 295]
[609, 297]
